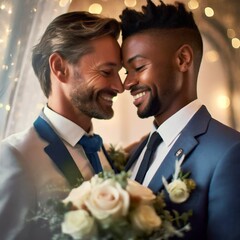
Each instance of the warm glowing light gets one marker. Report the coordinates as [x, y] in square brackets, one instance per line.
[1, 105]
[231, 33]
[223, 101]
[212, 56]
[7, 107]
[34, 9]
[63, 3]
[209, 12]
[19, 42]
[130, 3]
[1, 40]
[3, 7]
[10, 11]
[235, 42]
[4, 67]
[193, 4]
[95, 8]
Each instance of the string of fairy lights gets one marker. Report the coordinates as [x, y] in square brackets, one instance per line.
[7, 10]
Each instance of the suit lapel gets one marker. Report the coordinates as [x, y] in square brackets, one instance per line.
[136, 154]
[184, 145]
[59, 154]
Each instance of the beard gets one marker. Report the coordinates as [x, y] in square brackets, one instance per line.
[88, 103]
[151, 109]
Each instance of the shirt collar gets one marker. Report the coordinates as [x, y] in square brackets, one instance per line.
[174, 125]
[71, 132]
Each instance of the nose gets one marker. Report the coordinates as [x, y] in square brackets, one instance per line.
[117, 84]
[129, 82]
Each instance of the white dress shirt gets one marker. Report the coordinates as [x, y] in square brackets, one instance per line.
[170, 130]
[71, 133]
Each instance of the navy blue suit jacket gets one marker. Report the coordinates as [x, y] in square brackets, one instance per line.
[213, 157]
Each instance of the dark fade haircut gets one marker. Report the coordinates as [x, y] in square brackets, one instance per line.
[69, 35]
[163, 17]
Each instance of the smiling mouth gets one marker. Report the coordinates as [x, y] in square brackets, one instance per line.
[108, 99]
[139, 95]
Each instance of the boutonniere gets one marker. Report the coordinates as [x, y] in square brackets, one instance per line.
[181, 185]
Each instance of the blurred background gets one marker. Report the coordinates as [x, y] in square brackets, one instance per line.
[22, 22]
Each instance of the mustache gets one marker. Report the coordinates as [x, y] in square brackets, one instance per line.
[109, 92]
[139, 88]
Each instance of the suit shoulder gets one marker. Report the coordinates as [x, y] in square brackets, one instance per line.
[221, 129]
[21, 145]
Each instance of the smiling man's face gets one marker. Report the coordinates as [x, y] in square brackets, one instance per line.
[153, 77]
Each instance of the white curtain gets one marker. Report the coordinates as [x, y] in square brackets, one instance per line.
[22, 24]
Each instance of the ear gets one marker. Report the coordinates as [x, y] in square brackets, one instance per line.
[184, 57]
[58, 66]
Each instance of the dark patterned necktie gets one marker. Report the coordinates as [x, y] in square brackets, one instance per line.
[152, 145]
[91, 145]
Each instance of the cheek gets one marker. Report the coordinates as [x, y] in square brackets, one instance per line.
[94, 81]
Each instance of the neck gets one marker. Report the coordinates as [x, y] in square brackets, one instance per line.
[73, 115]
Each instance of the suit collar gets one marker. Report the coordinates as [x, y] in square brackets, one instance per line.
[170, 129]
[71, 132]
[58, 152]
[184, 145]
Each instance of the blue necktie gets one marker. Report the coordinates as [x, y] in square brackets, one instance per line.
[91, 145]
[152, 145]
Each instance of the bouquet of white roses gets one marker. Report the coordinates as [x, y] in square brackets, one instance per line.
[112, 206]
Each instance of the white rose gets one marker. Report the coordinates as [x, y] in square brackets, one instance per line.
[145, 218]
[78, 195]
[138, 191]
[78, 224]
[108, 199]
[178, 191]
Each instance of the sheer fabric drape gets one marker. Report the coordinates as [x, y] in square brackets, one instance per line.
[22, 24]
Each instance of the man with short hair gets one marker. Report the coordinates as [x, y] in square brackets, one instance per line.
[162, 51]
[77, 62]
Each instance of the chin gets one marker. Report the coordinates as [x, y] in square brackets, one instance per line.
[104, 115]
[146, 112]
[143, 114]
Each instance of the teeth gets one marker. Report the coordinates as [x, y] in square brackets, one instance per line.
[139, 95]
[107, 98]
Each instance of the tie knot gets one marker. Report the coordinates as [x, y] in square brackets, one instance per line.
[91, 144]
[154, 141]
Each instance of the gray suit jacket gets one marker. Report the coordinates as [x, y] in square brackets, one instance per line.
[29, 175]
[213, 157]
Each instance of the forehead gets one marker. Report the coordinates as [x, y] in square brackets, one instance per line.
[104, 50]
[146, 43]
[100, 45]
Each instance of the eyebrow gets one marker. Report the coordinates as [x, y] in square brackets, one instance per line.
[111, 64]
[134, 58]
[107, 64]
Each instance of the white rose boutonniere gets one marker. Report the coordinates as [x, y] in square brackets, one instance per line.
[180, 187]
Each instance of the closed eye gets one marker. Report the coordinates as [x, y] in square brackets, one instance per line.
[137, 69]
[106, 73]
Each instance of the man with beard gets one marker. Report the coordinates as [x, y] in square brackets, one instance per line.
[162, 51]
[77, 62]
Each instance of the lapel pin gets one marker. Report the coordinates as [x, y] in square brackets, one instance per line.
[179, 152]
